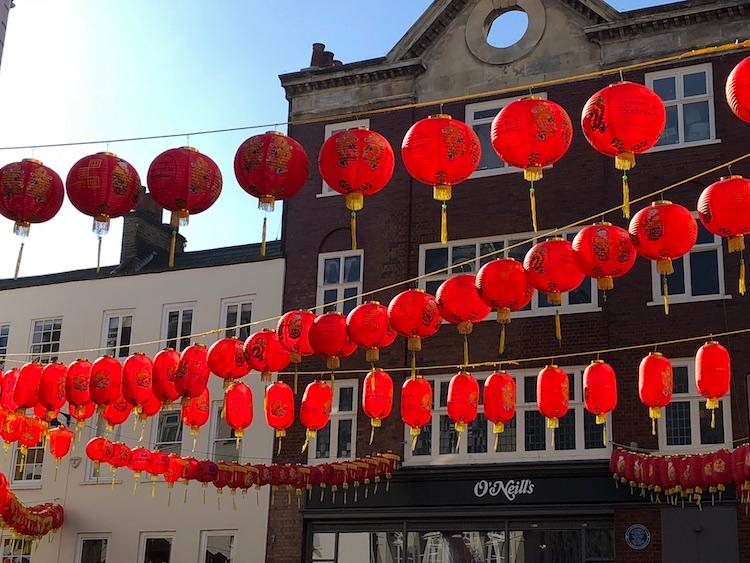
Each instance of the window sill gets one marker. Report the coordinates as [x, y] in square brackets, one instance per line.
[679, 300]
[689, 145]
[107, 481]
[26, 485]
[507, 457]
[323, 194]
[691, 449]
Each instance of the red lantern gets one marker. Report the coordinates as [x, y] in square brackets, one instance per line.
[713, 372]
[723, 208]
[459, 303]
[463, 398]
[499, 401]
[159, 464]
[551, 267]
[622, 120]
[99, 450]
[52, 387]
[121, 457]
[77, 381]
[82, 413]
[416, 406]
[60, 441]
[140, 461]
[164, 375]
[44, 415]
[116, 412]
[738, 90]
[315, 409]
[149, 408]
[137, 380]
[377, 397]
[26, 389]
[356, 163]
[192, 372]
[293, 331]
[531, 133]
[600, 392]
[195, 412]
[330, 338]
[603, 251]
[11, 430]
[8, 386]
[368, 327]
[279, 408]
[552, 395]
[502, 284]
[192, 470]
[264, 353]
[176, 470]
[655, 385]
[31, 433]
[183, 181]
[441, 151]
[226, 359]
[722, 470]
[29, 193]
[414, 314]
[106, 380]
[238, 406]
[103, 186]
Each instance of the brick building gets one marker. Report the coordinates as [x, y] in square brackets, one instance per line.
[454, 506]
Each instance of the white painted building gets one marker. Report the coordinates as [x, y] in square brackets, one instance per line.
[46, 315]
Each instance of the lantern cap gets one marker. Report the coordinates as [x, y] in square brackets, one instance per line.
[441, 116]
[655, 353]
[597, 361]
[373, 302]
[660, 202]
[554, 238]
[602, 224]
[532, 97]
[191, 149]
[279, 133]
[551, 366]
[731, 177]
[107, 153]
[32, 160]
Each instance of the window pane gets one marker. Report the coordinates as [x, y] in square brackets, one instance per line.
[565, 436]
[344, 439]
[329, 296]
[593, 433]
[431, 287]
[226, 451]
[324, 547]
[600, 544]
[678, 423]
[671, 134]
[157, 550]
[695, 117]
[323, 442]
[535, 436]
[711, 435]
[506, 441]
[455, 546]
[331, 268]
[443, 400]
[486, 113]
[680, 380]
[543, 300]
[676, 280]
[462, 254]
[704, 273]
[172, 320]
[448, 435]
[477, 435]
[350, 294]
[694, 84]
[127, 324]
[487, 247]
[435, 259]
[346, 399]
[666, 88]
[352, 269]
[424, 441]
[186, 328]
[529, 389]
[704, 236]
[518, 252]
[370, 547]
[219, 549]
[94, 551]
[582, 294]
[489, 159]
[546, 546]
[230, 320]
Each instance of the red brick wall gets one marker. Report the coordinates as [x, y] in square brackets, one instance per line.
[649, 517]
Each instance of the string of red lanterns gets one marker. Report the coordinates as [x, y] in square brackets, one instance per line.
[28, 522]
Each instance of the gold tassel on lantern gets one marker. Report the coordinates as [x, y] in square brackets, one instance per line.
[532, 199]
[18, 260]
[654, 414]
[602, 419]
[625, 161]
[558, 327]
[263, 237]
[553, 424]
[625, 196]
[353, 227]
[665, 293]
[742, 287]
[444, 223]
[354, 202]
[502, 339]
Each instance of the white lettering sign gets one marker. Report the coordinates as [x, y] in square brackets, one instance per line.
[510, 489]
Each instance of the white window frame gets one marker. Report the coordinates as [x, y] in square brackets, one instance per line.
[179, 307]
[330, 129]
[239, 301]
[156, 420]
[205, 534]
[341, 286]
[90, 537]
[215, 418]
[117, 350]
[27, 483]
[45, 357]
[144, 536]
[508, 239]
[678, 74]
[333, 424]
[687, 297]
[469, 113]
[14, 541]
[4, 349]
[520, 453]
[696, 404]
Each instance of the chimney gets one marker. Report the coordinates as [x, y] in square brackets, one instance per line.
[317, 55]
[143, 233]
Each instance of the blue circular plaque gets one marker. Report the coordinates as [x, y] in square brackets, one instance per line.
[637, 537]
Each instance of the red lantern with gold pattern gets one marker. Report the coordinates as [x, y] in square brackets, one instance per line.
[192, 372]
[99, 450]
[377, 397]
[441, 151]
[722, 470]
[60, 441]
[8, 385]
[106, 380]
[29, 193]
[552, 394]
[499, 401]
[11, 429]
[116, 412]
[315, 408]
[238, 408]
[166, 364]
[26, 389]
[414, 314]
[600, 392]
[149, 408]
[82, 413]
[185, 182]
[416, 406]
[622, 120]
[137, 380]
[293, 331]
[195, 411]
[264, 353]
[713, 372]
[655, 385]
[531, 133]
[459, 303]
[77, 383]
[356, 163]
[737, 90]
[551, 267]
[368, 327]
[329, 338]
[32, 430]
[140, 461]
[604, 251]
[226, 358]
[121, 457]
[463, 400]
[52, 387]
[279, 408]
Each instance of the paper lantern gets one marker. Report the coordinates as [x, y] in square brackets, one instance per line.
[315, 409]
[603, 251]
[60, 441]
[121, 457]
[551, 267]
[29, 193]
[293, 331]
[531, 133]
[52, 387]
[192, 372]
[459, 303]
[77, 381]
[264, 353]
[116, 412]
[499, 401]
[552, 395]
[737, 90]
[99, 450]
[30, 435]
[195, 412]
[722, 470]
[174, 473]
[655, 385]
[279, 408]
[713, 372]
[26, 389]
[238, 408]
[185, 182]
[462, 400]
[150, 407]
[377, 397]
[11, 430]
[414, 314]
[622, 120]
[226, 359]
[8, 386]
[356, 163]
[166, 364]
[140, 461]
[416, 406]
[600, 392]
[441, 151]
[137, 380]
[82, 413]
[369, 328]
[329, 338]
[106, 380]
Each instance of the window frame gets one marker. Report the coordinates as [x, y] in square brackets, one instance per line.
[27, 483]
[145, 536]
[695, 399]
[45, 357]
[341, 286]
[205, 534]
[4, 349]
[239, 301]
[117, 350]
[90, 537]
[330, 129]
[173, 408]
[333, 424]
[508, 239]
[678, 73]
[215, 419]
[180, 308]
[519, 454]
[13, 557]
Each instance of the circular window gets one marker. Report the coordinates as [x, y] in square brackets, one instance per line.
[507, 28]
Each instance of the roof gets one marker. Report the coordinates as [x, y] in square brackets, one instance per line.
[225, 256]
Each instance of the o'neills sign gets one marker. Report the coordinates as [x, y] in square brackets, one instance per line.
[510, 488]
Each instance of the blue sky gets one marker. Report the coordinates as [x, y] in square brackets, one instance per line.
[94, 69]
